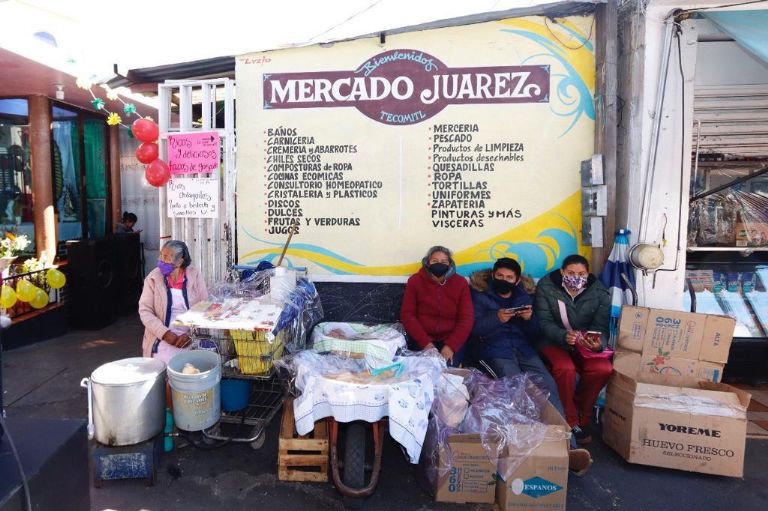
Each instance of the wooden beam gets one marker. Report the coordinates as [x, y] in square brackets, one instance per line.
[606, 100]
[115, 189]
[42, 176]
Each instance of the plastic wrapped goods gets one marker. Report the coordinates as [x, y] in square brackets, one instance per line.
[376, 344]
[505, 413]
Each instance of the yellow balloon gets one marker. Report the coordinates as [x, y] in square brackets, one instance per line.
[40, 299]
[56, 279]
[25, 290]
[7, 297]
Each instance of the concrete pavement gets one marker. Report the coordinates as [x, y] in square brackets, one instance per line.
[42, 380]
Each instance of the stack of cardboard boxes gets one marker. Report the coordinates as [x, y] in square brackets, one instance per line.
[540, 482]
[664, 404]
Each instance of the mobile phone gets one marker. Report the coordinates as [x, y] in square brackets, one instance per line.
[518, 309]
[592, 334]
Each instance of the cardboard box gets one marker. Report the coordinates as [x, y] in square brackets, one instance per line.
[695, 429]
[472, 476]
[541, 481]
[678, 348]
[751, 234]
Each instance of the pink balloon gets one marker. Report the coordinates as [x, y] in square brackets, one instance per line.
[145, 130]
[147, 152]
[157, 173]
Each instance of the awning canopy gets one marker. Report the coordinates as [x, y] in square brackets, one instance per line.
[748, 28]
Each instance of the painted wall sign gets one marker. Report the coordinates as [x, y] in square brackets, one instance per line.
[193, 197]
[192, 153]
[406, 87]
[469, 137]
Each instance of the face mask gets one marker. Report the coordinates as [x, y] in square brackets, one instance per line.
[574, 282]
[165, 268]
[502, 287]
[439, 269]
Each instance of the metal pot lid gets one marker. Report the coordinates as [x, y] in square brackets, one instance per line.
[128, 371]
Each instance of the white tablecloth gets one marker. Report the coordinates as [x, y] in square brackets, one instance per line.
[406, 402]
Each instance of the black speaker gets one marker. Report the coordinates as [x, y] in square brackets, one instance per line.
[129, 274]
[93, 283]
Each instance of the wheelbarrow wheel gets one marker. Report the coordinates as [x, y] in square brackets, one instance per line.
[354, 462]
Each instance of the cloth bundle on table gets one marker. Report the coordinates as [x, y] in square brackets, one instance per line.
[376, 344]
[344, 388]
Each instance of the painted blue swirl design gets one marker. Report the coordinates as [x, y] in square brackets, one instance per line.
[571, 90]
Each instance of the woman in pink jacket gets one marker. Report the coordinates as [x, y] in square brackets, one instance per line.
[170, 289]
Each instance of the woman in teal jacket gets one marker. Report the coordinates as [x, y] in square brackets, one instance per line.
[586, 304]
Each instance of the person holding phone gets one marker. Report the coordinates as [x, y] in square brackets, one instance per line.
[505, 327]
[573, 306]
[437, 309]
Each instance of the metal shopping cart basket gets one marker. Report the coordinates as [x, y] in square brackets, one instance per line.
[246, 355]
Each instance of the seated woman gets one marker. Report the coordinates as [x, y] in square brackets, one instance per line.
[437, 308]
[170, 289]
[570, 302]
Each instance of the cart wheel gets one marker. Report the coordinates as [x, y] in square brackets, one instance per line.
[208, 440]
[259, 442]
[354, 455]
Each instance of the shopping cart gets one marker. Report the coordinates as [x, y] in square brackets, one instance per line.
[245, 355]
[248, 351]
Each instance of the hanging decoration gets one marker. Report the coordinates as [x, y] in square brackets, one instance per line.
[147, 152]
[157, 173]
[113, 118]
[143, 129]
[56, 279]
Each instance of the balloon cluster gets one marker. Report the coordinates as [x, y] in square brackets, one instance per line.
[27, 292]
[143, 129]
[157, 171]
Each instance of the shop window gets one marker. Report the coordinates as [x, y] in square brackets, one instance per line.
[66, 164]
[94, 142]
[79, 157]
[15, 170]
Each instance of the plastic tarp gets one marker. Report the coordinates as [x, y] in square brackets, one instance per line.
[748, 28]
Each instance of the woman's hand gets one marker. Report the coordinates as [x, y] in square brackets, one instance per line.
[182, 341]
[179, 341]
[571, 337]
[447, 353]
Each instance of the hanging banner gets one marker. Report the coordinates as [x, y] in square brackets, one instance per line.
[469, 137]
[193, 197]
[192, 153]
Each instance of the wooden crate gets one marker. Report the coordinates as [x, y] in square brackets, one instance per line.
[302, 458]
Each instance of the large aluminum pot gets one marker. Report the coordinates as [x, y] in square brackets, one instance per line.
[127, 400]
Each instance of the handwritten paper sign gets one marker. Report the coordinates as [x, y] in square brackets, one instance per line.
[193, 197]
[189, 153]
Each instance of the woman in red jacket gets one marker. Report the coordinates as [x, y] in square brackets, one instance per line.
[437, 307]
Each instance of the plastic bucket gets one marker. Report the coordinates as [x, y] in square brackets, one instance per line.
[234, 394]
[196, 397]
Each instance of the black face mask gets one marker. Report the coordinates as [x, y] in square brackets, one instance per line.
[502, 287]
[439, 269]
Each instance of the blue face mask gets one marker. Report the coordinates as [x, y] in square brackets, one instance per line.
[165, 268]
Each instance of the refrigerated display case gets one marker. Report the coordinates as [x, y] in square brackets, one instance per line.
[734, 283]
